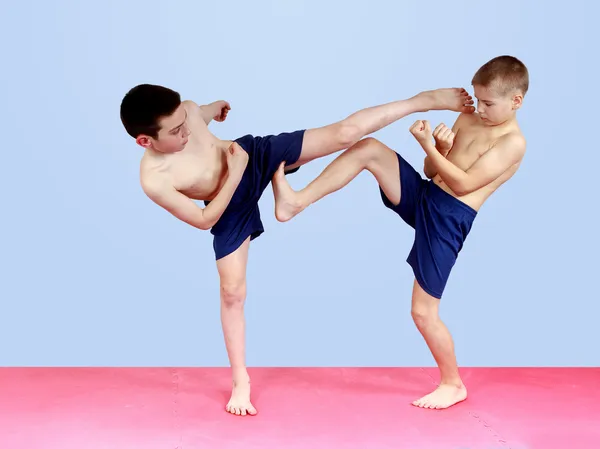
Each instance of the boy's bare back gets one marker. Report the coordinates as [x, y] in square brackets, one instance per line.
[483, 150]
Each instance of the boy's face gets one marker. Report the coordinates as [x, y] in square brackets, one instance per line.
[173, 134]
[493, 108]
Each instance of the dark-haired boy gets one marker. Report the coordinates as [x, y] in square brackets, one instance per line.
[184, 161]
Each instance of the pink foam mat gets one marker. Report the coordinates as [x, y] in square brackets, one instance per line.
[313, 408]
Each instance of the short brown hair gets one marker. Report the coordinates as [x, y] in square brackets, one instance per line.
[504, 74]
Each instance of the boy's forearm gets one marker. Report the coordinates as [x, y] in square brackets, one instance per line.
[215, 209]
[209, 111]
[452, 175]
[428, 166]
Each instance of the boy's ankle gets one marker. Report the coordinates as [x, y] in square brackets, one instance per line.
[241, 376]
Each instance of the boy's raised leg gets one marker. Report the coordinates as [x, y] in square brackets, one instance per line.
[323, 141]
[368, 154]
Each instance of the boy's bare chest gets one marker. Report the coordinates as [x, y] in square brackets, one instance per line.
[198, 175]
[468, 147]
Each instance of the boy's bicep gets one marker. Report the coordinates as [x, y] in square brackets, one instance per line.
[460, 121]
[496, 161]
[200, 110]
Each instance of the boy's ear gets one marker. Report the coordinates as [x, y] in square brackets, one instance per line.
[517, 101]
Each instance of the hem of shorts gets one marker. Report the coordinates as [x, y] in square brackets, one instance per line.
[386, 201]
[421, 284]
[253, 235]
[303, 133]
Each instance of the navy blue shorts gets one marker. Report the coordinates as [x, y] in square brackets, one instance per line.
[241, 218]
[441, 223]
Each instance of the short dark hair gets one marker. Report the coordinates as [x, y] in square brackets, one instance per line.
[503, 73]
[143, 107]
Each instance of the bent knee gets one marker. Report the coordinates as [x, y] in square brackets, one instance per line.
[233, 294]
[369, 144]
[370, 150]
[423, 314]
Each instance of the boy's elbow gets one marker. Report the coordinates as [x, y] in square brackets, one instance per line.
[462, 188]
[197, 220]
[203, 224]
[426, 170]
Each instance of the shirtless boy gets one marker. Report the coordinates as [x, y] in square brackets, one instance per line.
[465, 166]
[183, 161]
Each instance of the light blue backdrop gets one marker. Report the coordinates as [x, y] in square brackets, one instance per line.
[94, 274]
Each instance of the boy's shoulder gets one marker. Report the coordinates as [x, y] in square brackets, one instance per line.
[464, 120]
[511, 145]
[514, 138]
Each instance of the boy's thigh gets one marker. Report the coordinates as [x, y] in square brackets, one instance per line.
[232, 267]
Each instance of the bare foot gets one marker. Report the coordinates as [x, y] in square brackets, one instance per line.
[240, 404]
[444, 396]
[454, 99]
[287, 203]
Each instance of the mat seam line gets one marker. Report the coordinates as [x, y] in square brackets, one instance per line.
[495, 434]
[175, 382]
